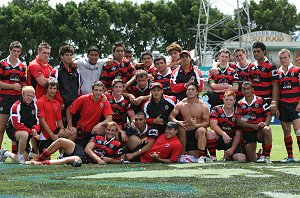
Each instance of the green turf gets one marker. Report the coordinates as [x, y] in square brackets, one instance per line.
[156, 180]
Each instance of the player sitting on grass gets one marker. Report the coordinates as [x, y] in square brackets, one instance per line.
[225, 134]
[167, 148]
[254, 116]
[103, 149]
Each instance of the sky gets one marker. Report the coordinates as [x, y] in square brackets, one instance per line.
[225, 6]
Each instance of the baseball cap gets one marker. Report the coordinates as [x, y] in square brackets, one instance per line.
[156, 84]
[172, 124]
[185, 52]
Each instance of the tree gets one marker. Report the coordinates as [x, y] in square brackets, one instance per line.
[277, 15]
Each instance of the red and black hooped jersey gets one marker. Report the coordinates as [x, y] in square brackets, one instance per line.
[107, 148]
[262, 77]
[165, 81]
[243, 75]
[137, 91]
[120, 108]
[254, 113]
[228, 75]
[289, 84]
[226, 122]
[123, 70]
[12, 75]
[141, 66]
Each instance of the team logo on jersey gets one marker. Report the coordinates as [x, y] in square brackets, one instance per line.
[116, 111]
[256, 105]
[233, 119]
[32, 112]
[99, 141]
[111, 101]
[229, 72]
[275, 72]
[262, 69]
[167, 145]
[1, 108]
[111, 146]
[223, 80]
[166, 107]
[223, 115]
[226, 127]
[123, 104]
[287, 85]
[118, 75]
[113, 68]
[243, 106]
[122, 65]
[7, 67]
[14, 78]
[101, 105]
[158, 77]
[292, 74]
[256, 78]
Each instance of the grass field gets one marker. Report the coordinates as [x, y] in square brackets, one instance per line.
[156, 180]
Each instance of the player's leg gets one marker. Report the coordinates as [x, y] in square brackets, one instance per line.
[265, 136]
[65, 145]
[288, 140]
[212, 138]
[3, 123]
[22, 138]
[250, 149]
[182, 139]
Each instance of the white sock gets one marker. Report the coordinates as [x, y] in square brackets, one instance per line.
[20, 157]
[7, 154]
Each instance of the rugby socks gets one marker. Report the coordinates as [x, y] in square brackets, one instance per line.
[43, 156]
[212, 147]
[298, 141]
[14, 148]
[288, 141]
[267, 149]
[201, 152]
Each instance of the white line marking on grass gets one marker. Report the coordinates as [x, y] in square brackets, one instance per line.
[279, 195]
[290, 170]
[203, 173]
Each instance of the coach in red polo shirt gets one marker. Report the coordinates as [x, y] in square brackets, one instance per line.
[93, 108]
[39, 70]
[167, 147]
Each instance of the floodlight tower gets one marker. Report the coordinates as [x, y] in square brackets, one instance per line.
[203, 45]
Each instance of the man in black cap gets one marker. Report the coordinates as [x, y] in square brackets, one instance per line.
[167, 147]
[158, 107]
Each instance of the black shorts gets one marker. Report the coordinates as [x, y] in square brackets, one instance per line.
[222, 146]
[44, 144]
[288, 112]
[11, 133]
[250, 137]
[6, 102]
[78, 151]
[83, 138]
[191, 141]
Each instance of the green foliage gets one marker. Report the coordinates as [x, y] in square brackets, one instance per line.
[278, 15]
